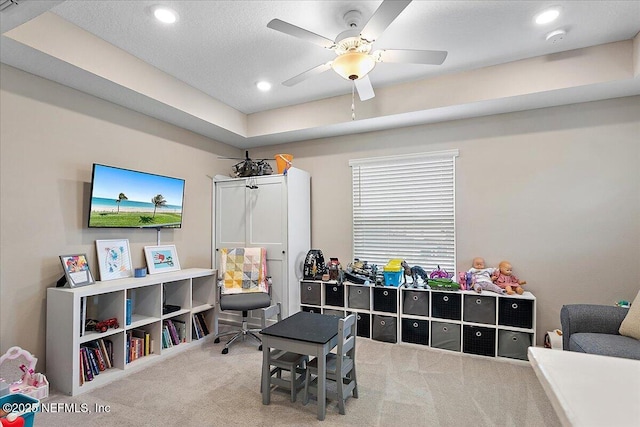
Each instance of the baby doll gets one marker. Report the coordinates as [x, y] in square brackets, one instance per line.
[482, 277]
[507, 281]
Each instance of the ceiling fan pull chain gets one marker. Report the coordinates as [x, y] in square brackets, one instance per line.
[353, 100]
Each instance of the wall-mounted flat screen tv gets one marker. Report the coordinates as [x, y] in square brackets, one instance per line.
[123, 198]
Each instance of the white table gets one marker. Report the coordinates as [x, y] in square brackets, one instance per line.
[587, 389]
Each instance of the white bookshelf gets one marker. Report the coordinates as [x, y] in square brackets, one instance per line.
[192, 289]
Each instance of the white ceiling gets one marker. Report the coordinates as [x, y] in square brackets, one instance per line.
[220, 49]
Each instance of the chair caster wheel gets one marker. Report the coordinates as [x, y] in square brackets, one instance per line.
[217, 340]
[225, 350]
[260, 348]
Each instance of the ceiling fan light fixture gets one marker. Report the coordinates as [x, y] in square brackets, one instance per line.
[353, 65]
[263, 85]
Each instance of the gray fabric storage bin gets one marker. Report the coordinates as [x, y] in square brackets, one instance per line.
[359, 297]
[310, 293]
[479, 309]
[415, 302]
[330, 312]
[445, 336]
[384, 328]
[514, 344]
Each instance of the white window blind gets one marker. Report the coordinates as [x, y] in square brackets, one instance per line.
[404, 207]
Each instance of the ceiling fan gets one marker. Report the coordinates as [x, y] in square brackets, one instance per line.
[353, 47]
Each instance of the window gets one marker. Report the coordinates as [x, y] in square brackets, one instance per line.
[404, 208]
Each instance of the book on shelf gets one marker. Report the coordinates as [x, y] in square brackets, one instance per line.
[128, 312]
[181, 329]
[83, 315]
[145, 336]
[109, 346]
[194, 330]
[87, 364]
[173, 333]
[105, 353]
[203, 323]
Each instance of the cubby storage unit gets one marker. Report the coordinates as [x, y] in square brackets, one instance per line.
[192, 290]
[486, 324]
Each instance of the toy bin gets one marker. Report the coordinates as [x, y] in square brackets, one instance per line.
[392, 272]
[25, 406]
[392, 278]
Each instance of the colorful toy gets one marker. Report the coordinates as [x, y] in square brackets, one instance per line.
[440, 273]
[507, 281]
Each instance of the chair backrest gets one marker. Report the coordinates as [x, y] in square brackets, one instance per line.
[346, 340]
[243, 270]
[270, 312]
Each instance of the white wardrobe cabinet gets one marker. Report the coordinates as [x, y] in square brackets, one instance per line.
[273, 212]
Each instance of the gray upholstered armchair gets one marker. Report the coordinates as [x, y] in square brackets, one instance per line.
[590, 328]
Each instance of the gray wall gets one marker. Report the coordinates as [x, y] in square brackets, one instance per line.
[556, 191]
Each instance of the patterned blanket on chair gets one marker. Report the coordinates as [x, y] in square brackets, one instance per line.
[244, 270]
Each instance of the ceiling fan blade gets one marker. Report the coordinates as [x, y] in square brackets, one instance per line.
[309, 73]
[364, 88]
[408, 56]
[301, 33]
[382, 18]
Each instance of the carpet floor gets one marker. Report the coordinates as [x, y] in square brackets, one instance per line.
[399, 385]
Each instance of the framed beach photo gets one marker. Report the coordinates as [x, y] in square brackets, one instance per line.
[161, 259]
[114, 259]
[76, 270]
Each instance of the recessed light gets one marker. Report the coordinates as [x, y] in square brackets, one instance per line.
[165, 15]
[547, 16]
[263, 86]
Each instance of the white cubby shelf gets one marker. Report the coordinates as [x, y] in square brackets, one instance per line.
[192, 289]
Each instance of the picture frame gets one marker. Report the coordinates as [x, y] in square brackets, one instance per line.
[76, 270]
[161, 259]
[114, 259]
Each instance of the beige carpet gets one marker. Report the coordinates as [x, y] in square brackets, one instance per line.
[399, 385]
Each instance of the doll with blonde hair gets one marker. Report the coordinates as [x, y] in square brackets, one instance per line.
[507, 281]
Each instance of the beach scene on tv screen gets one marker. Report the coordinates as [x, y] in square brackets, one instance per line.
[126, 198]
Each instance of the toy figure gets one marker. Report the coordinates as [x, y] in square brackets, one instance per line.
[482, 277]
[414, 272]
[507, 281]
